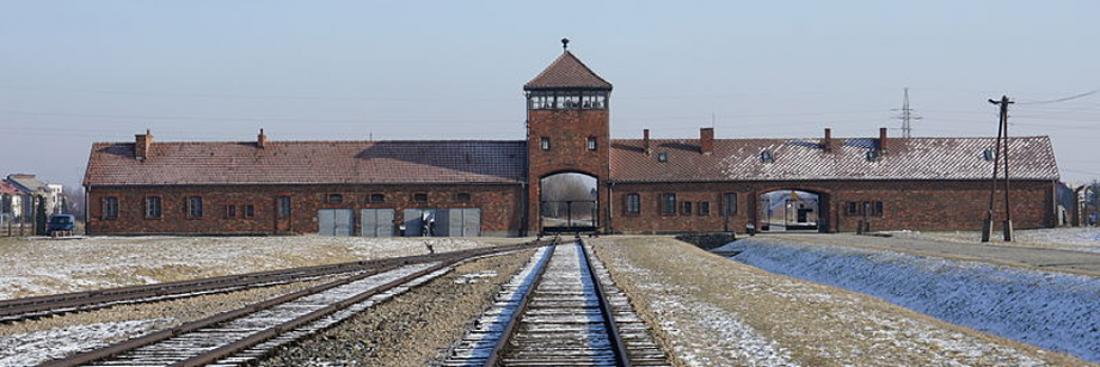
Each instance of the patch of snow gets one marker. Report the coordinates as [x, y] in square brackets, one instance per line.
[28, 349]
[735, 339]
[43, 266]
[1050, 310]
[1085, 239]
[476, 277]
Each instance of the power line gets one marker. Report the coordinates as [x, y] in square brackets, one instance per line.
[1063, 99]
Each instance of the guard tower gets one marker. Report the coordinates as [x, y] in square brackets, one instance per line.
[568, 145]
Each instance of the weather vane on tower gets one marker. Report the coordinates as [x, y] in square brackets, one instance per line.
[565, 44]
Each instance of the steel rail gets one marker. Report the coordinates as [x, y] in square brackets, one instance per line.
[445, 260]
[38, 306]
[617, 346]
[513, 321]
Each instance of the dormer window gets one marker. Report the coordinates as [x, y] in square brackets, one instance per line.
[662, 157]
[767, 157]
[988, 155]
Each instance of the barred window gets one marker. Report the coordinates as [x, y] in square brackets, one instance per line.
[668, 204]
[633, 204]
[462, 197]
[283, 205]
[420, 197]
[377, 198]
[686, 209]
[704, 208]
[249, 211]
[110, 207]
[152, 207]
[729, 204]
[335, 198]
[194, 207]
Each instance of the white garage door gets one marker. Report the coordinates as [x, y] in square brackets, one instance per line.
[376, 222]
[334, 222]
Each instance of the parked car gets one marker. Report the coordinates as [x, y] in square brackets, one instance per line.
[61, 225]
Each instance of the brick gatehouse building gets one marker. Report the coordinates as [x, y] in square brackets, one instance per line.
[501, 188]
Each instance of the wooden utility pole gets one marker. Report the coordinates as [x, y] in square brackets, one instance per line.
[1002, 141]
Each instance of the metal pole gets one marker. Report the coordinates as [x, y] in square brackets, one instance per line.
[987, 227]
[1007, 227]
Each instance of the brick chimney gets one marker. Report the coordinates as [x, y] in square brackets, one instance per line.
[883, 141]
[827, 143]
[142, 145]
[706, 140]
[261, 140]
[645, 142]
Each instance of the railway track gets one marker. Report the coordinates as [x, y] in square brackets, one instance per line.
[562, 309]
[19, 309]
[244, 335]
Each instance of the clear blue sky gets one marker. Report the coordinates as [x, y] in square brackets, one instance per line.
[74, 72]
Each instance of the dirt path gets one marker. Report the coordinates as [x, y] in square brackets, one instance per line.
[710, 310]
[1044, 259]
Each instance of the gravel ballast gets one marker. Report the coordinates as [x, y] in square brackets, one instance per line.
[413, 329]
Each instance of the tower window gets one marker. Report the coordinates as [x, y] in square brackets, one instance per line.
[591, 143]
[567, 99]
[544, 143]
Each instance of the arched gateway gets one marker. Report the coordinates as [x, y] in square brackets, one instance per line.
[569, 202]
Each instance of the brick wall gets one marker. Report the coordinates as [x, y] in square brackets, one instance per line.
[568, 131]
[915, 205]
[499, 204]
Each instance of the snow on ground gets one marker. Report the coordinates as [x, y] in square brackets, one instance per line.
[709, 310]
[44, 266]
[1086, 239]
[736, 340]
[28, 349]
[1050, 310]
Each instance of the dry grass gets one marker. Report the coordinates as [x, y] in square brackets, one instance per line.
[714, 311]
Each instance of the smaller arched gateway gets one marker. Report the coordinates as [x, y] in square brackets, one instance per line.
[790, 210]
[568, 202]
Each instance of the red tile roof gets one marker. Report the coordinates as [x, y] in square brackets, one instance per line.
[804, 159]
[567, 72]
[410, 162]
[314, 162]
[8, 189]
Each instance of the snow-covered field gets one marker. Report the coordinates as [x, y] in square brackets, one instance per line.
[1051, 310]
[1085, 239]
[710, 311]
[44, 266]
